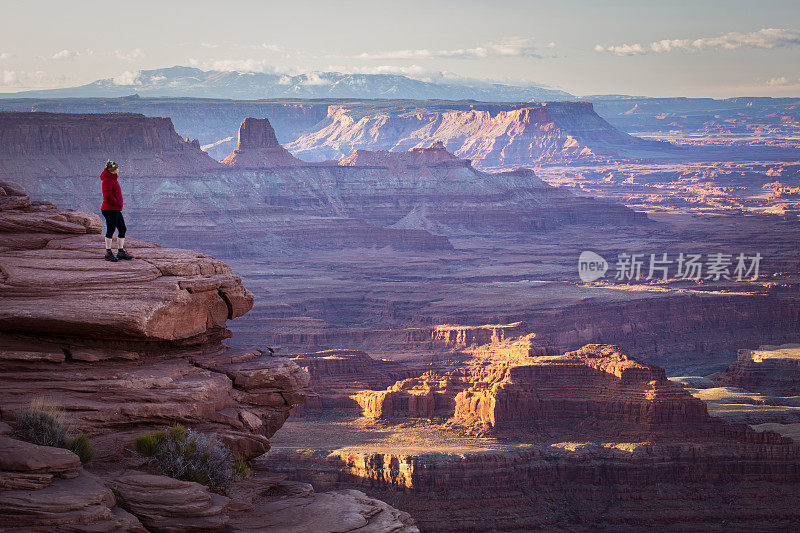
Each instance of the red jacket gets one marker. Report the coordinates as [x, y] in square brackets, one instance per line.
[112, 193]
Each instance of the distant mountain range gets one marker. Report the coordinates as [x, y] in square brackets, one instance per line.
[193, 82]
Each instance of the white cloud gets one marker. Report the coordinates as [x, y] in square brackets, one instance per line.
[65, 54]
[131, 55]
[510, 47]
[777, 81]
[126, 78]
[766, 38]
[25, 79]
[269, 47]
[782, 81]
[6, 55]
[622, 49]
[312, 78]
[240, 65]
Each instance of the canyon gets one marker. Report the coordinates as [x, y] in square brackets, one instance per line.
[648, 153]
[520, 437]
[414, 337]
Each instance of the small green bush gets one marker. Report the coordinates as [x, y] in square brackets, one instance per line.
[192, 456]
[240, 467]
[178, 432]
[80, 446]
[147, 445]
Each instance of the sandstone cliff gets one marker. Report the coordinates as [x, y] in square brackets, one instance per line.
[130, 347]
[42, 145]
[548, 133]
[578, 439]
[769, 369]
[409, 200]
[259, 148]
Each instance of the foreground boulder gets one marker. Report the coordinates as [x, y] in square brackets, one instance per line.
[45, 489]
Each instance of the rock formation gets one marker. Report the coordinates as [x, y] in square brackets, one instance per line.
[124, 349]
[45, 489]
[259, 148]
[548, 133]
[406, 201]
[773, 370]
[44, 145]
[434, 155]
[583, 438]
[547, 393]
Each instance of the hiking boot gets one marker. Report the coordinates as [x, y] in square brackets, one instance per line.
[122, 254]
[110, 256]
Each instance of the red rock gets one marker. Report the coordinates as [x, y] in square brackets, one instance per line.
[45, 489]
[769, 369]
[36, 145]
[546, 133]
[167, 505]
[259, 148]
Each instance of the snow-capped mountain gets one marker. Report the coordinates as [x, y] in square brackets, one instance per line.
[193, 82]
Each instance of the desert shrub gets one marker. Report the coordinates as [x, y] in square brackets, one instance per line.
[147, 445]
[44, 424]
[80, 446]
[40, 426]
[240, 467]
[192, 456]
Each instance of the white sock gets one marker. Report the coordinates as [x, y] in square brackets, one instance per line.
[121, 242]
[108, 243]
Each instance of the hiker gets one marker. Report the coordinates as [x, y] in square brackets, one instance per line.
[112, 211]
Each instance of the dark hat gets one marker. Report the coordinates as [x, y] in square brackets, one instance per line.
[111, 165]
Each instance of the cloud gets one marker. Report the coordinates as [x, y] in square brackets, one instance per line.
[65, 54]
[622, 49]
[777, 81]
[126, 78]
[22, 78]
[132, 55]
[6, 55]
[782, 81]
[239, 65]
[269, 47]
[765, 39]
[510, 47]
[310, 78]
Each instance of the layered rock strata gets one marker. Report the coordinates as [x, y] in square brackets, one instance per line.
[259, 148]
[140, 337]
[264, 201]
[39, 145]
[586, 439]
[769, 369]
[123, 349]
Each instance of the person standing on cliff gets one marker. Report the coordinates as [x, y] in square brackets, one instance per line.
[112, 211]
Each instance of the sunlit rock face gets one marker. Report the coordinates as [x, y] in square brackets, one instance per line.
[466, 449]
[259, 148]
[768, 369]
[550, 133]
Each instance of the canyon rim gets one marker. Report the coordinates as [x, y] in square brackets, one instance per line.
[500, 269]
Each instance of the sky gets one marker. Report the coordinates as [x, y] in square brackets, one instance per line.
[651, 48]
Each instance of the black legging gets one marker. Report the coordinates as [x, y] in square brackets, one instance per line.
[114, 220]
